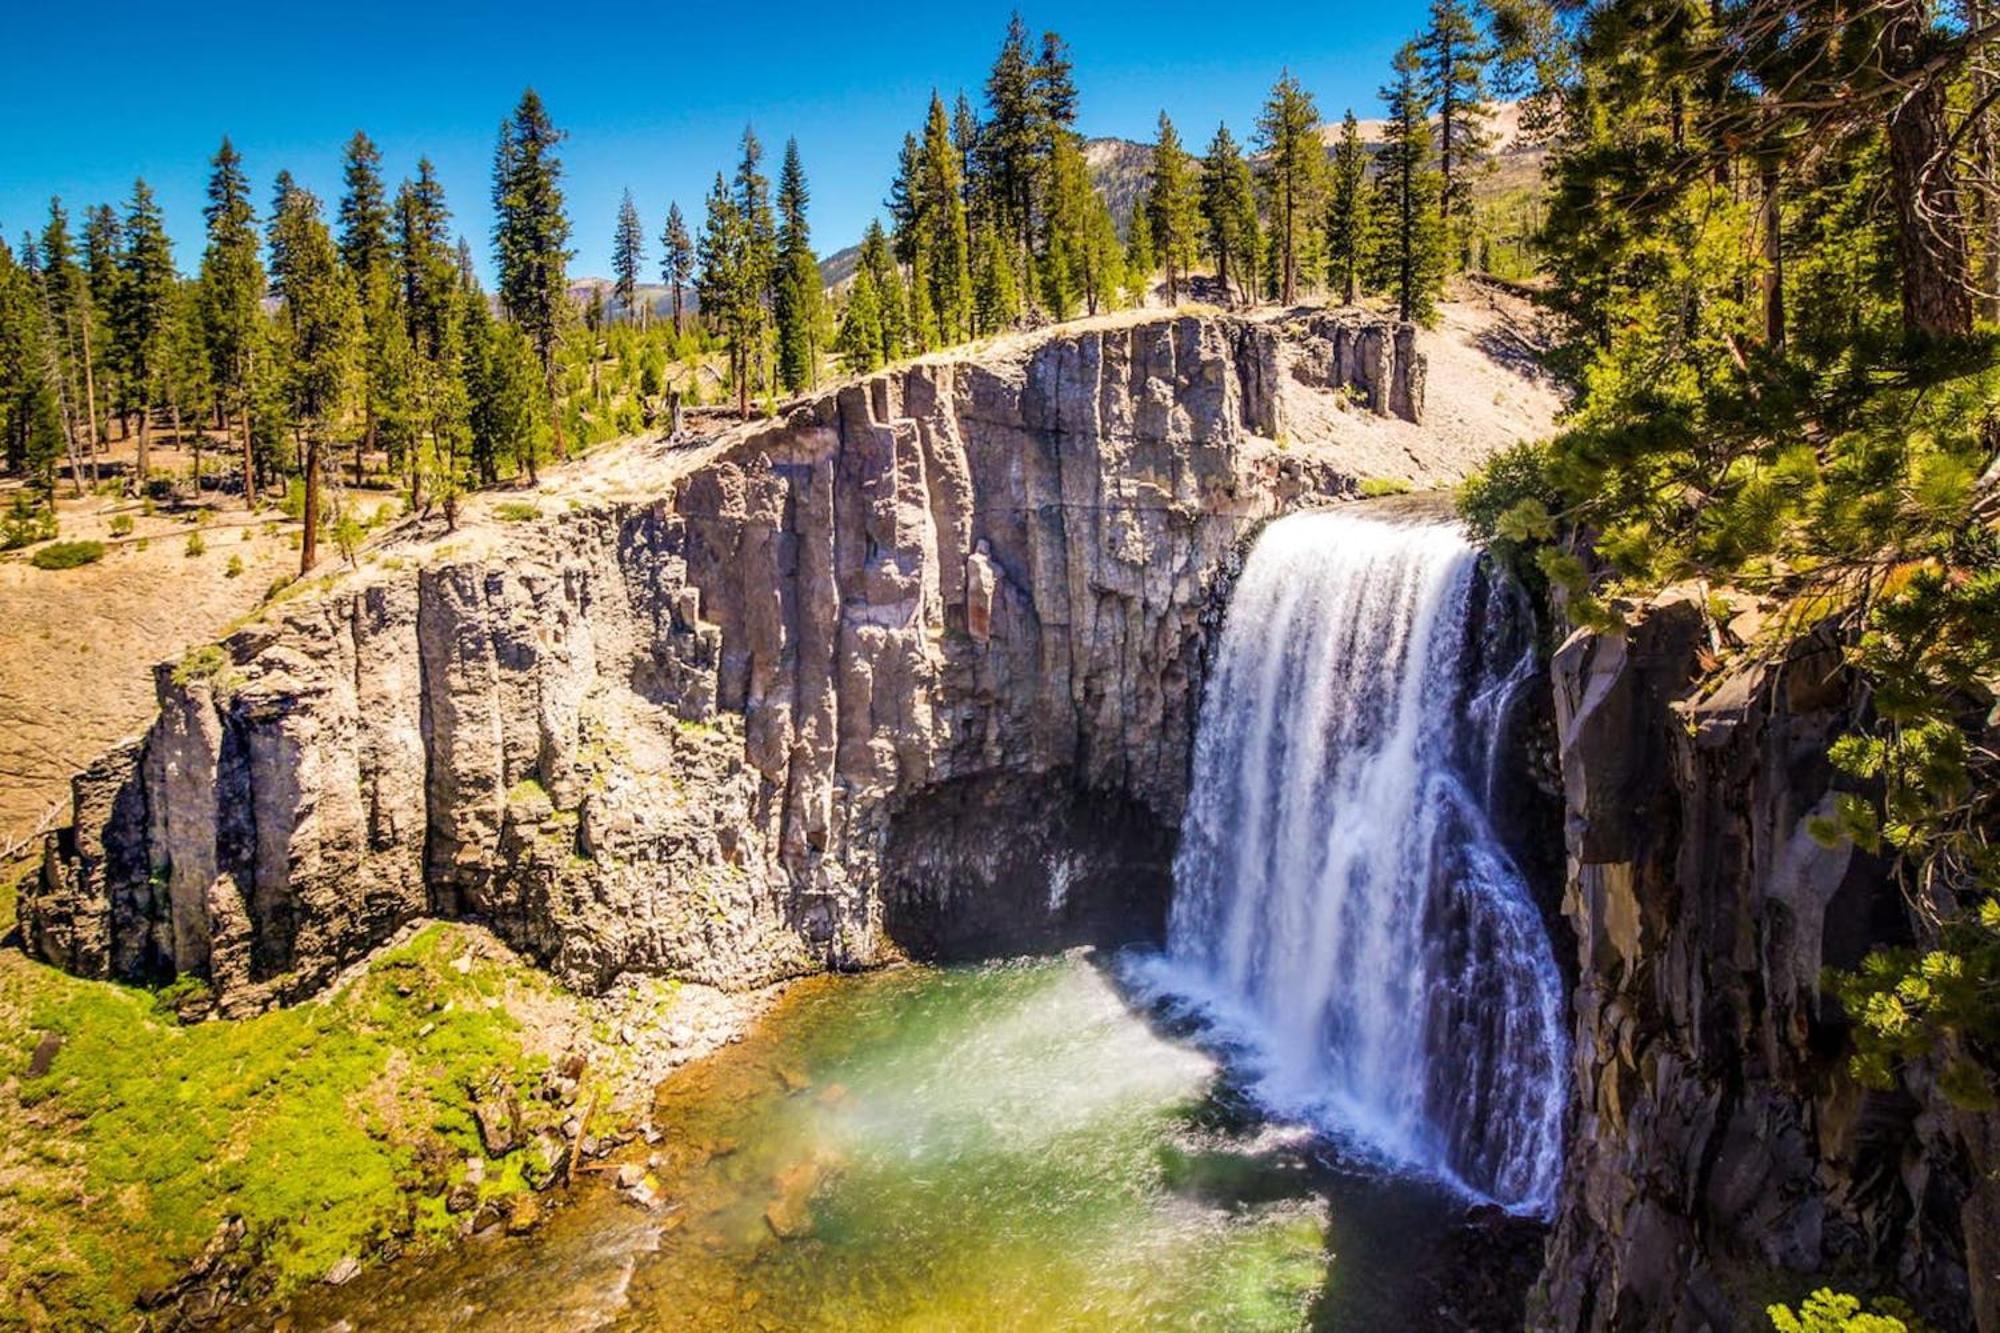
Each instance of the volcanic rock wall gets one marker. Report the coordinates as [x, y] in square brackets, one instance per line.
[1716, 1140]
[674, 733]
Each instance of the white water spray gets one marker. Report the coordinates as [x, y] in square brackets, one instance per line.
[1341, 900]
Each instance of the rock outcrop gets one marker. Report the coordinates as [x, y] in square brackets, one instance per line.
[1716, 1138]
[708, 728]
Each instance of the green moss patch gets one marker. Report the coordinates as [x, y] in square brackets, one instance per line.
[328, 1128]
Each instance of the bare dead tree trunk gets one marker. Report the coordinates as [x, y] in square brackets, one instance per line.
[96, 440]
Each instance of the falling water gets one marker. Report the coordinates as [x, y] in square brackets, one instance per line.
[1341, 900]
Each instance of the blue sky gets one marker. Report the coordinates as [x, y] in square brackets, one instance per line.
[654, 97]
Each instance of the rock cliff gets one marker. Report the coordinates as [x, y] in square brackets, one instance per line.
[1718, 1150]
[742, 704]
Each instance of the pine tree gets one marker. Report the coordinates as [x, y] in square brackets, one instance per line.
[1103, 256]
[232, 285]
[1453, 80]
[190, 387]
[145, 308]
[800, 300]
[730, 302]
[996, 300]
[103, 242]
[751, 192]
[1055, 89]
[628, 251]
[879, 262]
[945, 248]
[322, 323]
[1347, 214]
[1140, 262]
[1228, 210]
[426, 263]
[902, 201]
[364, 215]
[1174, 200]
[1011, 138]
[1294, 175]
[1410, 261]
[1066, 214]
[965, 138]
[531, 235]
[676, 261]
[365, 253]
[860, 340]
[66, 298]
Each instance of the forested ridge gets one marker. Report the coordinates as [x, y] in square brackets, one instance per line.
[319, 349]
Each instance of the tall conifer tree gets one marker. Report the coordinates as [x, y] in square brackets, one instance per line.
[1452, 76]
[628, 252]
[1347, 214]
[676, 261]
[232, 285]
[531, 235]
[144, 313]
[1410, 260]
[1175, 202]
[1294, 176]
[799, 304]
[323, 327]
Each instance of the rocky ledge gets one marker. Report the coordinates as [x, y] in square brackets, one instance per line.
[786, 703]
[1720, 1155]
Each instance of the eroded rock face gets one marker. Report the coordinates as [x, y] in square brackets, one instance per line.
[676, 733]
[1715, 1134]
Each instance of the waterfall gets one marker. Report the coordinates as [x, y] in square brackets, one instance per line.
[1341, 903]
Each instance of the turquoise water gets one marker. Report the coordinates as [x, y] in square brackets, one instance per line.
[1009, 1146]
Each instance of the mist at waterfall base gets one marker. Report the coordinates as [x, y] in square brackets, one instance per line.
[1345, 920]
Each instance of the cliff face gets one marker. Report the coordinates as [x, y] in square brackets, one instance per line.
[717, 727]
[1715, 1134]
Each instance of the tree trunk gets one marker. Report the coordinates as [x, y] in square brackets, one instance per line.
[1986, 161]
[1774, 262]
[90, 402]
[1930, 229]
[249, 462]
[145, 440]
[309, 542]
[180, 439]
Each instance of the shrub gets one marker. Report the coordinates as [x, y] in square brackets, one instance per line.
[1374, 488]
[195, 546]
[1826, 1311]
[67, 555]
[121, 525]
[25, 524]
[516, 511]
[234, 569]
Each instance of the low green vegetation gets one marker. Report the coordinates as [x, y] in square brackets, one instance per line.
[1374, 488]
[327, 1128]
[67, 555]
[516, 511]
[1833, 1312]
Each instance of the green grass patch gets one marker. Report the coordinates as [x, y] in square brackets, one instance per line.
[516, 511]
[1374, 488]
[327, 1127]
[67, 555]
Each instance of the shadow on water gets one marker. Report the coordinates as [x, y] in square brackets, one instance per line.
[1401, 1251]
